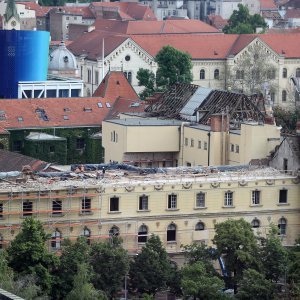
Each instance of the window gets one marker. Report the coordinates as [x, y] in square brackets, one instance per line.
[27, 208]
[143, 202]
[142, 234]
[96, 77]
[1, 210]
[186, 141]
[200, 200]
[205, 145]
[239, 74]
[285, 165]
[86, 205]
[217, 74]
[228, 199]
[255, 74]
[87, 234]
[237, 149]
[255, 197]
[89, 76]
[199, 144]
[17, 146]
[171, 233]
[282, 226]
[297, 96]
[284, 73]
[255, 223]
[283, 96]
[271, 74]
[114, 204]
[80, 143]
[192, 143]
[283, 196]
[202, 74]
[298, 72]
[56, 207]
[128, 75]
[20, 119]
[51, 149]
[232, 147]
[114, 231]
[56, 240]
[200, 226]
[127, 57]
[172, 201]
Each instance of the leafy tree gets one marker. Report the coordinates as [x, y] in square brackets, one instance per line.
[73, 254]
[237, 243]
[28, 253]
[173, 66]
[242, 22]
[273, 255]
[196, 282]
[83, 289]
[252, 73]
[255, 286]
[287, 118]
[151, 270]
[110, 264]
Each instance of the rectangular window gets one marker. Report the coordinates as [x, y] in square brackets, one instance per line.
[232, 147]
[205, 145]
[89, 76]
[283, 196]
[86, 205]
[27, 208]
[237, 149]
[1, 210]
[199, 144]
[255, 197]
[192, 143]
[96, 77]
[143, 202]
[52, 149]
[56, 207]
[17, 146]
[114, 204]
[186, 141]
[228, 199]
[172, 201]
[79, 143]
[200, 200]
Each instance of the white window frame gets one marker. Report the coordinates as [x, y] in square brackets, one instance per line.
[172, 201]
[255, 197]
[200, 203]
[228, 199]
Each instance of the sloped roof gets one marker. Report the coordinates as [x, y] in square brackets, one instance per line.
[83, 11]
[53, 112]
[292, 13]
[12, 161]
[40, 11]
[217, 21]
[267, 5]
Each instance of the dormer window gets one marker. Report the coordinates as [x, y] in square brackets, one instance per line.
[66, 59]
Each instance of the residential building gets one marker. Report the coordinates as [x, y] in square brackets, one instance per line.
[181, 206]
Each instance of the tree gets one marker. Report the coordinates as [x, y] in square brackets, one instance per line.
[173, 66]
[72, 255]
[287, 119]
[82, 287]
[242, 22]
[254, 285]
[151, 270]
[273, 255]
[110, 265]
[252, 72]
[237, 243]
[28, 254]
[196, 282]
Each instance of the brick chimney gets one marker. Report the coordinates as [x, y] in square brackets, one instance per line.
[269, 120]
[216, 123]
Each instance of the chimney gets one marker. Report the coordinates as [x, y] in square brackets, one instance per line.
[216, 123]
[269, 120]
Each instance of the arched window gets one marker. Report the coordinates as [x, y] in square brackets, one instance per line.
[200, 226]
[298, 72]
[284, 73]
[217, 74]
[282, 226]
[142, 234]
[255, 223]
[114, 231]
[171, 233]
[202, 74]
[56, 240]
[283, 96]
[87, 234]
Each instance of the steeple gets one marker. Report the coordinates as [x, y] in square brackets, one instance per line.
[11, 17]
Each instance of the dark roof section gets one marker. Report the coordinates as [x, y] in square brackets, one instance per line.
[12, 161]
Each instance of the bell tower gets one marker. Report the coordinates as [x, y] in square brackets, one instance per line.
[11, 18]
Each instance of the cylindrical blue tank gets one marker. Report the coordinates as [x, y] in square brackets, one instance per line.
[23, 57]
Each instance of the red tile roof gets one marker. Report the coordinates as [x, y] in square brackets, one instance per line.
[292, 13]
[60, 112]
[217, 21]
[267, 5]
[40, 11]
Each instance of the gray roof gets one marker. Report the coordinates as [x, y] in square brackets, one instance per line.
[40, 136]
[145, 122]
[194, 102]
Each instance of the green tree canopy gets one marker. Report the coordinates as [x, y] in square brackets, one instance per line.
[237, 243]
[173, 66]
[28, 254]
[242, 22]
[196, 282]
[151, 270]
[110, 263]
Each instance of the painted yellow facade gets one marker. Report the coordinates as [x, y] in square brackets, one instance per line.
[181, 206]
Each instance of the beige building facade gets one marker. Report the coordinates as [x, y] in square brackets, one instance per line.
[181, 206]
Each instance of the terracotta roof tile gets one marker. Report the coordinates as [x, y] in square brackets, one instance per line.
[292, 13]
[267, 5]
[83, 11]
[40, 11]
